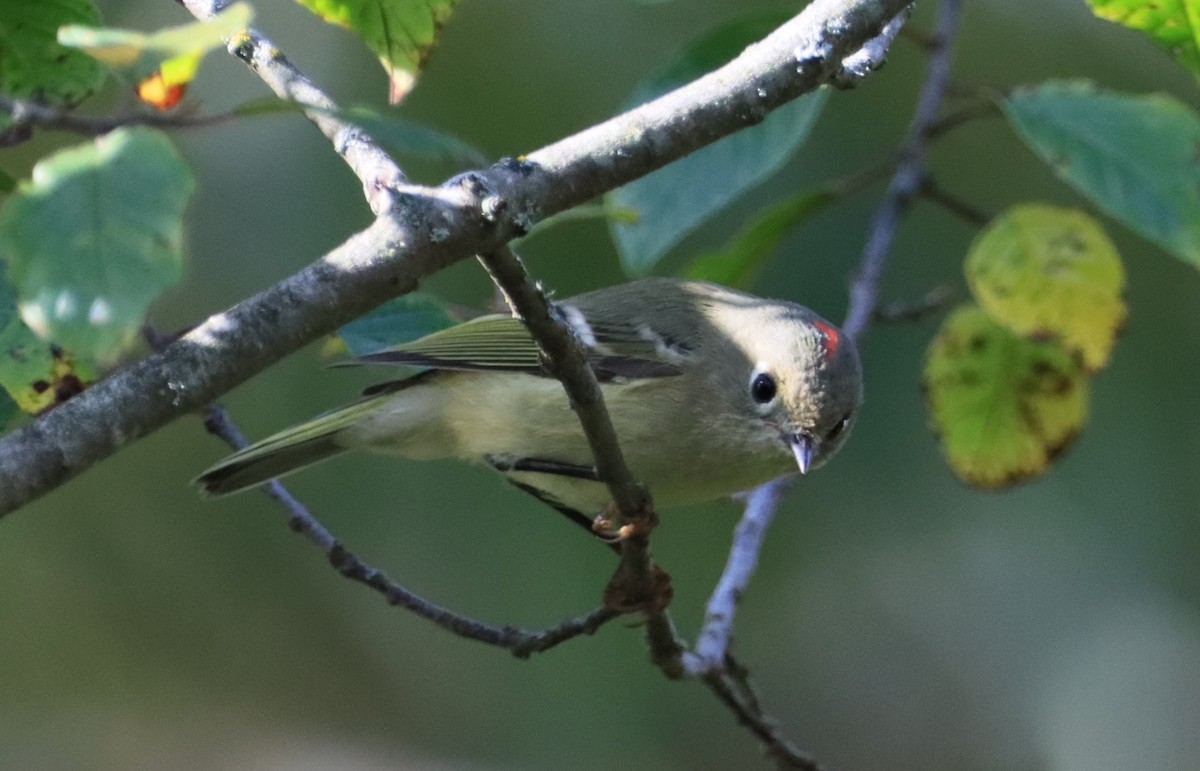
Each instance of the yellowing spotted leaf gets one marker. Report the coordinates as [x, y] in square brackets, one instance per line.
[36, 374]
[1049, 273]
[1003, 406]
[1172, 24]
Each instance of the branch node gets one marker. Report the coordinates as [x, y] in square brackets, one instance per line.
[493, 207]
[639, 588]
[871, 56]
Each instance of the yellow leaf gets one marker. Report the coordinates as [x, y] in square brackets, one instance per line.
[1045, 272]
[1003, 406]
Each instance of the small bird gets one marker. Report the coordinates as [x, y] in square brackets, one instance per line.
[711, 391]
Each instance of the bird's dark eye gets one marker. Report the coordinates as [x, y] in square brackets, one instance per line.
[837, 430]
[762, 388]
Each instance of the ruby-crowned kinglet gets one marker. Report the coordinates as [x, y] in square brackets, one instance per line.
[711, 391]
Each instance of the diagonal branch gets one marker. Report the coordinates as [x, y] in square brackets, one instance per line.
[733, 690]
[712, 644]
[638, 583]
[376, 170]
[564, 358]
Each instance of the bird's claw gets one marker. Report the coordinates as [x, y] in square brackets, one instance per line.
[606, 528]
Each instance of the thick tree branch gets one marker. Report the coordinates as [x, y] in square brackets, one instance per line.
[426, 230]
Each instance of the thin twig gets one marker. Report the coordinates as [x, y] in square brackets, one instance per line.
[28, 112]
[520, 642]
[931, 191]
[739, 698]
[712, 644]
[977, 110]
[379, 174]
[864, 289]
[907, 312]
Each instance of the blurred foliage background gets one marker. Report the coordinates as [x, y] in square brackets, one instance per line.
[898, 620]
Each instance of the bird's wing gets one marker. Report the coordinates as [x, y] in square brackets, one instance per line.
[503, 344]
[499, 343]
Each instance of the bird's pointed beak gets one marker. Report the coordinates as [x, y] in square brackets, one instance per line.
[802, 447]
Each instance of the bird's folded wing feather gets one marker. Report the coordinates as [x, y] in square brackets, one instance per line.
[503, 344]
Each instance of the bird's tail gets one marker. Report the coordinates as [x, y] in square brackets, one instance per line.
[289, 450]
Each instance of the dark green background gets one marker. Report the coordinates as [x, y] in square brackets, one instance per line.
[898, 620]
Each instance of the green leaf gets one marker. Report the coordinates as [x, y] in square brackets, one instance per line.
[400, 32]
[1045, 272]
[1172, 24]
[1003, 406]
[1133, 156]
[397, 321]
[738, 262]
[674, 200]
[32, 63]
[34, 373]
[95, 237]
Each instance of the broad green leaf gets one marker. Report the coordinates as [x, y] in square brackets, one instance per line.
[1045, 272]
[397, 321]
[402, 33]
[739, 261]
[32, 63]
[1172, 24]
[674, 200]
[1003, 406]
[35, 374]
[1133, 156]
[162, 63]
[95, 237]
